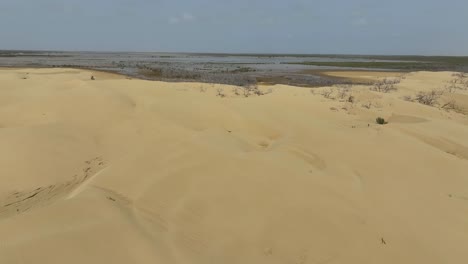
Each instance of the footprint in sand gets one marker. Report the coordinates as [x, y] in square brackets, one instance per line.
[21, 201]
[311, 158]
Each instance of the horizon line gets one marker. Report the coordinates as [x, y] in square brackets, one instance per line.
[233, 53]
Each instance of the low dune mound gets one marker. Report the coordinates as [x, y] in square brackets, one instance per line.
[113, 170]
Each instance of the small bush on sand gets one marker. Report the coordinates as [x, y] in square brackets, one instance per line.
[327, 93]
[385, 85]
[343, 90]
[380, 121]
[235, 91]
[429, 98]
[220, 92]
[460, 81]
[249, 90]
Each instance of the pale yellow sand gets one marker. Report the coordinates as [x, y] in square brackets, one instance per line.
[130, 171]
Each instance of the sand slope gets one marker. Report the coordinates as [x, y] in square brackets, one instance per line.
[130, 171]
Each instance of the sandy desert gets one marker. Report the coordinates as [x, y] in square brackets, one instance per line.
[118, 170]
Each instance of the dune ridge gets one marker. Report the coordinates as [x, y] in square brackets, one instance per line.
[115, 170]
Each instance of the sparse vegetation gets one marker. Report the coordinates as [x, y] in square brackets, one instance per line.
[386, 85]
[220, 92]
[429, 98]
[451, 88]
[459, 82]
[380, 121]
[343, 91]
[435, 98]
[460, 75]
[235, 91]
[327, 92]
[251, 90]
[450, 105]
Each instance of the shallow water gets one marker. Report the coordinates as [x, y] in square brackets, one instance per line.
[272, 68]
[183, 60]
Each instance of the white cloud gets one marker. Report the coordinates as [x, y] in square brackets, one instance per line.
[185, 17]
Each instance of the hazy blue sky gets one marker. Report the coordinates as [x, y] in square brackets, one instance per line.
[266, 26]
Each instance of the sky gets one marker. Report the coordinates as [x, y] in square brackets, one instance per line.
[416, 27]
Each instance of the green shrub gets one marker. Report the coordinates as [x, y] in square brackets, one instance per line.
[380, 121]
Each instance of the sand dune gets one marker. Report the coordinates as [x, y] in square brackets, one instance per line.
[130, 171]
